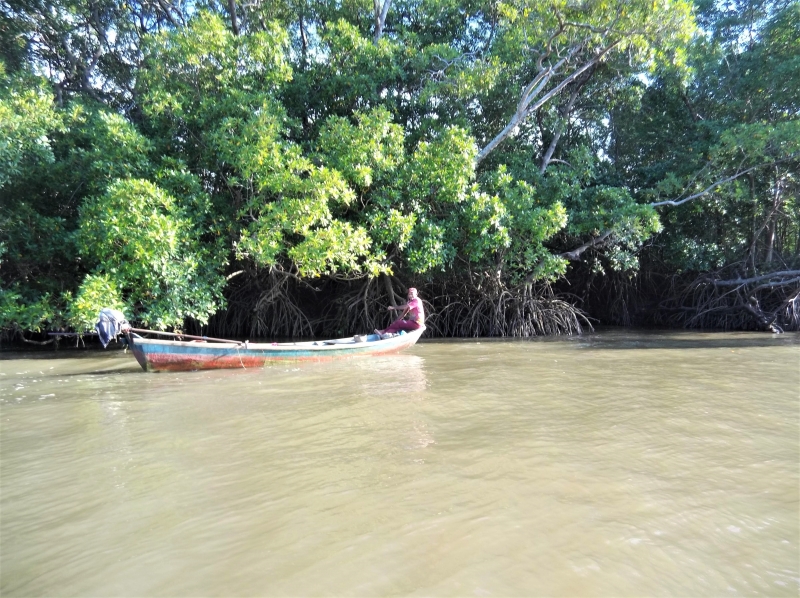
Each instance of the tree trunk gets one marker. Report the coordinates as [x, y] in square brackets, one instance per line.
[529, 103]
[380, 17]
[771, 238]
[234, 21]
[387, 283]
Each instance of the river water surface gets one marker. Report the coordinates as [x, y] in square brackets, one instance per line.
[614, 464]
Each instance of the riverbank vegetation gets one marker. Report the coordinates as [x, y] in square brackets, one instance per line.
[271, 168]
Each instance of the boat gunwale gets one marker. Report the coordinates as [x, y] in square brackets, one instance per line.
[322, 345]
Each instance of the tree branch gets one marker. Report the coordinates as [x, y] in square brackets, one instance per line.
[380, 17]
[165, 8]
[565, 113]
[234, 21]
[743, 281]
[526, 105]
[678, 202]
[575, 254]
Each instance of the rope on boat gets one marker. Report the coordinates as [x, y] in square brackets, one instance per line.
[239, 355]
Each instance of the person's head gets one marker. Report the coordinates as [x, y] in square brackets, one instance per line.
[412, 293]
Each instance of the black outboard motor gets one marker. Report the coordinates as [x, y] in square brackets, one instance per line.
[110, 324]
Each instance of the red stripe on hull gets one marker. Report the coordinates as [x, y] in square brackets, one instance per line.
[164, 362]
[177, 356]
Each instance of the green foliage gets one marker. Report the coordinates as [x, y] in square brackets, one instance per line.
[203, 86]
[392, 227]
[366, 154]
[728, 138]
[429, 247]
[355, 68]
[20, 313]
[87, 147]
[530, 258]
[98, 147]
[95, 293]
[487, 230]
[186, 151]
[339, 247]
[27, 120]
[646, 31]
[440, 171]
[189, 69]
[142, 242]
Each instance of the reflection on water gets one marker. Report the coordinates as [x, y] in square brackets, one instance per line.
[584, 466]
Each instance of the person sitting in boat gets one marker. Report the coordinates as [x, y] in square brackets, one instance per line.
[412, 318]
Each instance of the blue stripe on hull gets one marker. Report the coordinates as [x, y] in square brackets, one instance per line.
[155, 355]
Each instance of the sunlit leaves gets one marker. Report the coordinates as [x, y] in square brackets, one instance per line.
[442, 169]
[104, 146]
[24, 313]
[353, 71]
[366, 153]
[27, 121]
[262, 241]
[190, 66]
[204, 86]
[515, 229]
[392, 227]
[486, 220]
[140, 238]
[97, 291]
[429, 248]
[337, 248]
[759, 142]
[643, 29]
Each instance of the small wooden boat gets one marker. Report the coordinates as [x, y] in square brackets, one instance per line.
[205, 353]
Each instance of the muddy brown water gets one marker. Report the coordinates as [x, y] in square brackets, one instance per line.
[614, 464]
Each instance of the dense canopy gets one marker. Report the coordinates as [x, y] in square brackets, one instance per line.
[274, 168]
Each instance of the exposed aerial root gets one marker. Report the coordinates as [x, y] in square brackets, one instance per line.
[264, 306]
[276, 305]
[730, 300]
[360, 305]
[499, 311]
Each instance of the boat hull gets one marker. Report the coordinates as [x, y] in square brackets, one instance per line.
[178, 356]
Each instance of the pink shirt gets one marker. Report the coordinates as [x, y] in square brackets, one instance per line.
[416, 313]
